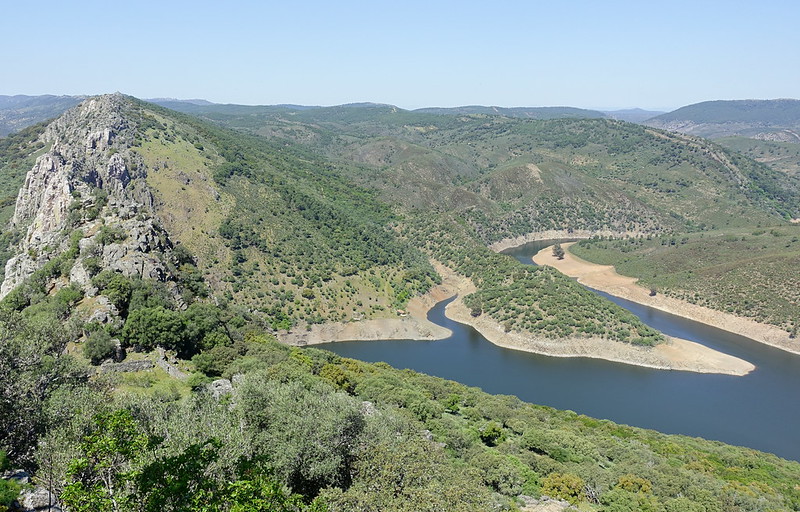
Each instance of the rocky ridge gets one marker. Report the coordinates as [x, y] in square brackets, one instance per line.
[88, 193]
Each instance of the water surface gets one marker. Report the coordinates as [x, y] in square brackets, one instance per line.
[760, 410]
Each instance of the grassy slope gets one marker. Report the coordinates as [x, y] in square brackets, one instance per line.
[747, 272]
[780, 156]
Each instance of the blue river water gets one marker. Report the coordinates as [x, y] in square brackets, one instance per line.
[760, 410]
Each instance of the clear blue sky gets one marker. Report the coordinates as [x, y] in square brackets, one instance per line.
[594, 54]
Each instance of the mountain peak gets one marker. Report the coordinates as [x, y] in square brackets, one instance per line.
[87, 196]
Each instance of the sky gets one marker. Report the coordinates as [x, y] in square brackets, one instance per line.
[591, 54]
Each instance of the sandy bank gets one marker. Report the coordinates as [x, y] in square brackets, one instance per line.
[676, 354]
[606, 279]
[557, 234]
[414, 326]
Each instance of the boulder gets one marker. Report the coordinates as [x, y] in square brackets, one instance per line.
[220, 388]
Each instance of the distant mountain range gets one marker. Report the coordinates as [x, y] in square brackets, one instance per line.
[770, 120]
[20, 111]
[523, 112]
[774, 120]
[632, 115]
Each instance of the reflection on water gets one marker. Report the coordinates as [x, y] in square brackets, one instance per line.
[760, 410]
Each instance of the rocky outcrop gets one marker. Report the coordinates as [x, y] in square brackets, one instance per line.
[38, 499]
[127, 366]
[90, 187]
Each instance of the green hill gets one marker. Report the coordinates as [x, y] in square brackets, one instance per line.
[781, 112]
[510, 177]
[761, 119]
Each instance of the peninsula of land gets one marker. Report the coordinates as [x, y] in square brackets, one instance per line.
[606, 279]
[674, 354]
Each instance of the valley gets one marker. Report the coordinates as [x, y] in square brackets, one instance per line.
[208, 245]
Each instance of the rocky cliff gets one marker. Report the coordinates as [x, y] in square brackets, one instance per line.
[88, 193]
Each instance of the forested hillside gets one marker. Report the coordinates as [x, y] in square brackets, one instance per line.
[340, 435]
[510, 177]
[776, 120]
[152, 259]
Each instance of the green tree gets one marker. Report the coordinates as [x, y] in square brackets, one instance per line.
[309, 434]
[99, 346]
[102, 477]
[558, 251]
[565, 486]
[155, 327]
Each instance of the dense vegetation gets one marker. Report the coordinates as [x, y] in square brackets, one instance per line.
[750, 273]
[290, 236]
[524, 298]
[334, 217]
[510, 177]
[306, 429]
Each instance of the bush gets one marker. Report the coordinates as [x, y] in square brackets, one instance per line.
[565, 486]
[98, 347]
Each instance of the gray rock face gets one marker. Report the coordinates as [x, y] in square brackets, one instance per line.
[220, 388]
[127, 366]
[91, 182]
[38, 499]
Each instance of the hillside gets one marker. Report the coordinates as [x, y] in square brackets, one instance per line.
[20, 111]
[125, 189]
[175, 252]
[751, 273]
[780, 156]
[776, 120]
[511, 177]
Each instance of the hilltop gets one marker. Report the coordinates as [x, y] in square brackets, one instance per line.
[775, 120]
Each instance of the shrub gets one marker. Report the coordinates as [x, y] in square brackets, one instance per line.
[98, 347]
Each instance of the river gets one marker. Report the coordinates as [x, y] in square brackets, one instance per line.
[760, 410]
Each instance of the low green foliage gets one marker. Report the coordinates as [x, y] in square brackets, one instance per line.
[98, 346]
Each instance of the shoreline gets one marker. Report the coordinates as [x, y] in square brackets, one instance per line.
[606, 279]
[558, 234]
[675, 354]
[415, 326]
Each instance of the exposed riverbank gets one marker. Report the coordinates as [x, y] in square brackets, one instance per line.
[414, 326]
[558, 234]
[606, 279]
[675, 354]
